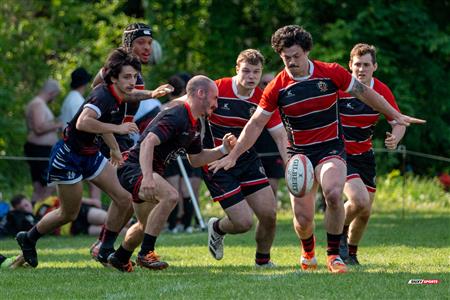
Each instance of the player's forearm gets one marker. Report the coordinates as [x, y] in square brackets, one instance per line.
[280, 137]
[138, 95]
[94, 126]
[248, 137]
[373, 99]
[206, 156]
[146, 156]
[111, 141]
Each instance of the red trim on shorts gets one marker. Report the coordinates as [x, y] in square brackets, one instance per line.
[227, 195]
[371, 189]
[136, 188]
[254, 182]
[331, 157]
[352, 176]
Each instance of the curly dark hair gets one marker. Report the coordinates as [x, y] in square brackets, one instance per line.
[133, 31]
[291, 35]
[116, 60]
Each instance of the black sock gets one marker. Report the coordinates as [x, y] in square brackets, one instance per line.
[352, 249]
[33, 235]
[217, 229]
[308, 244]
[108, 239]
[123, 254]
[345, 231]
[148, 244]
[333, 241]
[2, 259]
[188, 212]
[172, 220]
[261, 258]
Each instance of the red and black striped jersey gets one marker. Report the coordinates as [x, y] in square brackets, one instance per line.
[358, 119]
[308, 105]
[233, 112]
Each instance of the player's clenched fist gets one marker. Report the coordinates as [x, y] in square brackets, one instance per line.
[229, 141]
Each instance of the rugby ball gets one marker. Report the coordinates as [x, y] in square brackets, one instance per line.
[299, 175]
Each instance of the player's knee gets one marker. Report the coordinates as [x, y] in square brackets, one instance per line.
[69, 216]
[171, 198]
[303, 223]
[362, 205]
[268, 217]
[333, 197]
[243, 225]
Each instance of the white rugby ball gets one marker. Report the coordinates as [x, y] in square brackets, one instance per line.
[299, 175]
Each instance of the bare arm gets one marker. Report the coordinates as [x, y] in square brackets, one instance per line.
[87, 122]
[378, 103]
[139, 95]
[394, 137]
[279, 135]
[116, 155]
[146, 162]
[210, 155]
[247, 138]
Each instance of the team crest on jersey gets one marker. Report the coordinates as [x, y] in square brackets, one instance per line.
[225, 106]
[251, 110]
[322, 85]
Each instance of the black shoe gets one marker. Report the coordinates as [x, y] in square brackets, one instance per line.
[115, 262]
[28, 249]
[343, 247]
[352, 260]
[103, 255]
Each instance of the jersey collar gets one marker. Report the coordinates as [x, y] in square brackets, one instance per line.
[191, 117]
[115, 95]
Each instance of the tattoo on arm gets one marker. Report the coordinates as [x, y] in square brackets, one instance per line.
[358, 89]
[138, 95]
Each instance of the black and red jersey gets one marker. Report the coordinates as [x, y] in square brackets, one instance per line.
[233, 112]
[105, 102]
[308, 105]
[358, 119]
[178, 132]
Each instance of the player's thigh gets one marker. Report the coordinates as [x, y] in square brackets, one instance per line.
[143, 210]
[239, 212]
[108, 182]
[163, 191]
[331, 174]
[356, 192]
[262, 202]
[70, 196]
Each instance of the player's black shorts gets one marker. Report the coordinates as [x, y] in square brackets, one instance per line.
[81, 224]
[130, 177]
[38, 168]
[273, 165]
[322, 152]
[363, 166]
[230, 187]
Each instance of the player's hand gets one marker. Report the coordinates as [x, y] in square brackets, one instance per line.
[147, 190]
[162, 90]
[391, 141]
[225, 163]
[229, 141]
[128, 127]
[116, 158]
[407, 120]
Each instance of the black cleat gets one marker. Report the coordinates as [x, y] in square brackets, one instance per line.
[103, 254]
[28, 249]
[352, 260]
[115, 262]
[343, 247]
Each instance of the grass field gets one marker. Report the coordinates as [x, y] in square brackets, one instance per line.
[393, 251]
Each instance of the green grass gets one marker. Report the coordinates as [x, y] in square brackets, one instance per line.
[393, 251]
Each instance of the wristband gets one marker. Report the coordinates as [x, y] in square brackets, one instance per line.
[223, 149]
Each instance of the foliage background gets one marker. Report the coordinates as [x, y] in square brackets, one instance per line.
[41, 39]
